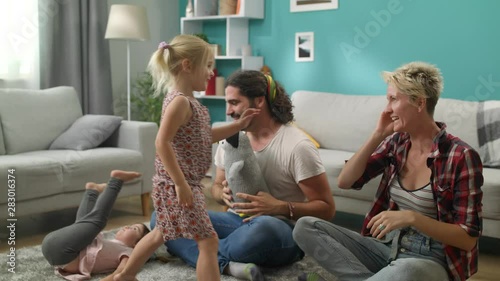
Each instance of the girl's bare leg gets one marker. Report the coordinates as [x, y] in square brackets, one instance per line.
[207, 267]
[142, 251]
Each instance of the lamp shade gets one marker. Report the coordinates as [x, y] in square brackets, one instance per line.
[127, 22]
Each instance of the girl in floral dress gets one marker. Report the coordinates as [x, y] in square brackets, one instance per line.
[183, 154]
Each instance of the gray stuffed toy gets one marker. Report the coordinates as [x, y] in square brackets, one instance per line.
[243, 173]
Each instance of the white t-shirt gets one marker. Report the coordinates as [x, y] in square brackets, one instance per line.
[288, 158]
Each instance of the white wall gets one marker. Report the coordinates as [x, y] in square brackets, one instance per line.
[163, 16]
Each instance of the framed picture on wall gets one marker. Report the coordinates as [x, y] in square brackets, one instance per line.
[304, 46]
[313, 5]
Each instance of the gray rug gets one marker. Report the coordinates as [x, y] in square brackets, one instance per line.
[31, 266]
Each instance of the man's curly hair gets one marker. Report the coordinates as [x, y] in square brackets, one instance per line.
[252, 84]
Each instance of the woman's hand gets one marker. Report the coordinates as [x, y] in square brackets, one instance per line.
[247, 116]
[385, 126]
[184, 194]
[386, 221]
[261, 204]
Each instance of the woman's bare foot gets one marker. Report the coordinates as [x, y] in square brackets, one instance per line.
[99, 187]
[125, 176]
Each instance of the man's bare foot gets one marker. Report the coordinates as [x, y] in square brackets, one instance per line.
[125, 176]
[99, 187]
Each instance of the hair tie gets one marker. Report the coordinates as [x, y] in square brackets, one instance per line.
[163, 45]
[271, 89]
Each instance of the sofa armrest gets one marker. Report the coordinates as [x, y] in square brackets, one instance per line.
[139, 136]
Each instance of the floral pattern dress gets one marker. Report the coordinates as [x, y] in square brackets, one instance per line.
[192, 146]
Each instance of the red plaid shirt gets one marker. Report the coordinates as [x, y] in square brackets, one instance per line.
[456, 182]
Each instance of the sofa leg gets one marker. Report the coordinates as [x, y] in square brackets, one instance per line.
[146, 209]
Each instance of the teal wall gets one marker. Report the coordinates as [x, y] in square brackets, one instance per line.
[461, 37]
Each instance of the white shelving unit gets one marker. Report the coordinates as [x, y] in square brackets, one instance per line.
[236, 29]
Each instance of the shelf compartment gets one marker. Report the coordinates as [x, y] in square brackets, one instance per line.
[248, 8]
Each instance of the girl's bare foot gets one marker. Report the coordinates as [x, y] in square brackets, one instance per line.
[122, 277]
[99, 187]
[125, 176]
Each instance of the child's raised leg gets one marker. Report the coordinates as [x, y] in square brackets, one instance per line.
[92, 191]
[207, 266]
[141, 253]
[63, 245]
[102, 208]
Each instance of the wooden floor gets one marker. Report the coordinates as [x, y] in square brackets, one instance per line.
[30, 231]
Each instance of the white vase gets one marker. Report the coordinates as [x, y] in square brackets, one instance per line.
[189, 9]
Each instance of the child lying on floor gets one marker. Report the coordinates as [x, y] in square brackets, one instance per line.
[78, 250]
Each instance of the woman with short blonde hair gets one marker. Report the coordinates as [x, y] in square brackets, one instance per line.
[425, 221]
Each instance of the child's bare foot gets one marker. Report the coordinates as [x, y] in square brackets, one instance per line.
[122, 277]
[99, 187]
[125, 176]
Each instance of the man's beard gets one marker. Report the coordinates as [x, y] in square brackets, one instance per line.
[237, 115]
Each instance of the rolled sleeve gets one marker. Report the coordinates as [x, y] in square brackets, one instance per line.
[468, 193]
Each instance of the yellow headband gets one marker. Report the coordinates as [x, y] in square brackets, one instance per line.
[271, 89]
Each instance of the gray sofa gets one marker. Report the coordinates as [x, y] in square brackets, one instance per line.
[342, 123]
[44, 179]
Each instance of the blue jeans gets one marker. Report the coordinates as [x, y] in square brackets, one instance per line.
[400, 255]
[265, 241]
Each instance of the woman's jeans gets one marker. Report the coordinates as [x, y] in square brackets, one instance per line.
[401, 255]
[265, 241]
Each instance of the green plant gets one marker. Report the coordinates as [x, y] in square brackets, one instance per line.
[202, 36]
[146, 107]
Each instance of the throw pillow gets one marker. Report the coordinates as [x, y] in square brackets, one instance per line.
[87, 132]
[315, 142]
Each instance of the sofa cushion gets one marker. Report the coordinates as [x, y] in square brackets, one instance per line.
[88, 131]
[334, 161]
[327, 117]
[2, 143]
[460, 118]
[35, 176]
[32, 119]
[79, 167]
[491, 193]
[315, 142]
[488, 121]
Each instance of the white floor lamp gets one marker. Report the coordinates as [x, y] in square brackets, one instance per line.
[129, 23]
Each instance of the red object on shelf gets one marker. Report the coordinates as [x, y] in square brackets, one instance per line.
[238, 7]
[210, 91]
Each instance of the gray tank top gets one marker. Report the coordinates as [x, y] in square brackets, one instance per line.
[420, 200]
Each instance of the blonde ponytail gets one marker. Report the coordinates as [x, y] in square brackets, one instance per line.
[166, 62]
